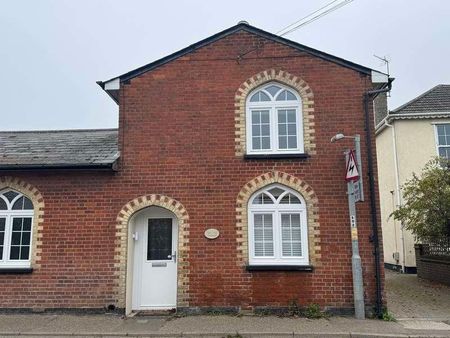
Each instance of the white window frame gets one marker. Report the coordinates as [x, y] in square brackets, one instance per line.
[273, 107]
[277, 210]
[9, 215]
[436, 136]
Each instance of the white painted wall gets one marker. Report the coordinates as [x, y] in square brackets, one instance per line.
[416, 145]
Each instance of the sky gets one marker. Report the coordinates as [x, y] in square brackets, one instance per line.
[53, 51]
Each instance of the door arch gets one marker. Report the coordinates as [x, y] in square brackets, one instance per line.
[125, 248]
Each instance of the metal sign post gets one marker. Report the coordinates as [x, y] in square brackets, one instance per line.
[353, 176]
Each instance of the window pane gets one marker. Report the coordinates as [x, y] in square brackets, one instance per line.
[262, 199]
[291, 115]
[159, 242]
[15, 238]
[265, 143]
[18, 205]
[444, 152]
[22, 203]
[273, 89]
[25, 253]
[282, 129]
[263, 235]
[3, 205]
[290, 96]
[282, 140]
[256, 119]
[20, 238]
[282, 96]
[10, 195]
[265, 130]
[260, 129]
[291, 235]
[259, 96]
[256, 130]
[17, 224]
[290, 199]
[27, 204]
[292, 129]
[27, 224]
[265, 116]
[447, 129]
[292, 142]
[14, 253]
[2, 235]
[276, 192]
[256, 143]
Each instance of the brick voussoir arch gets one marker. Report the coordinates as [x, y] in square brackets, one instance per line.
[123, 218]
[283, 77]
[292, 182]
[38, 218]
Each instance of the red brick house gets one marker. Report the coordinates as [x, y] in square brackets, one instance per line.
[220, 188]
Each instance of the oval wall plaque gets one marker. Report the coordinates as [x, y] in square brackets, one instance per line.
[211, 233]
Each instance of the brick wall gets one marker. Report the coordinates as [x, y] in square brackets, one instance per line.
[433, 268]
[178, 139]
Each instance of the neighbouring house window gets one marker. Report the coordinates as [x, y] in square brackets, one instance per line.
[16, 222]
[443, 140]
[274, 120]
[278, 231]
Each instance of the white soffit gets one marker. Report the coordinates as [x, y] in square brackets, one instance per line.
[113, 84]
[378, 77]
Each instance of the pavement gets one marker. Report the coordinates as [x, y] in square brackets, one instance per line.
[112, 325]
[421, 308]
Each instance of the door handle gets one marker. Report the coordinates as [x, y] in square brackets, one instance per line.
[174, 257]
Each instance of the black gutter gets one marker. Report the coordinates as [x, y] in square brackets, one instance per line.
[370, 95]
[103, 166]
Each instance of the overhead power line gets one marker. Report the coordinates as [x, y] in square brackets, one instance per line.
[305, 17]
[313, 16]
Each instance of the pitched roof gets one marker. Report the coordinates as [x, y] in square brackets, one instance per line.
[59, 149]
[435, 100]
[242, 26]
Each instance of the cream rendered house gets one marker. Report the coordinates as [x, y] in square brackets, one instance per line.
[407, 138]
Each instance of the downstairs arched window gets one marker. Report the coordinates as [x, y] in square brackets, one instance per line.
[278, 232]
[16, 222]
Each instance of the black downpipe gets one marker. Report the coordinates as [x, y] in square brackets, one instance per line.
[370, 95]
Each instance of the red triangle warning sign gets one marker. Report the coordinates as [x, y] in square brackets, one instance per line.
[352, 169]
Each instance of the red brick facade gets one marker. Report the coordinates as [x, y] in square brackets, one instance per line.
[177, 139]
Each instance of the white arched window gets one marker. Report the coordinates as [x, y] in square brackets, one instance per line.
[16, 222]
[274, 120]
[278, 232]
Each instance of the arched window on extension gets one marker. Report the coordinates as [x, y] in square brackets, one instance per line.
[16, 222]
[278, 232]
[274, 121]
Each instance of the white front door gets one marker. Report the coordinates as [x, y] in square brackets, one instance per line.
[155, 260]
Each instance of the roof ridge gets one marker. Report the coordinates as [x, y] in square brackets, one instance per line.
[56, 130]
[415, 99]
[248, 28]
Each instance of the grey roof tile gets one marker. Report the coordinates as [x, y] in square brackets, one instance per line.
[58, 148]
[437, 99]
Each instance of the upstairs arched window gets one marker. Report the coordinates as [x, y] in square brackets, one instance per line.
[278, 232]
[274, 120]
[16, 221]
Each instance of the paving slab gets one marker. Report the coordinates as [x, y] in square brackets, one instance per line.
[409, 297]
[107, 325]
